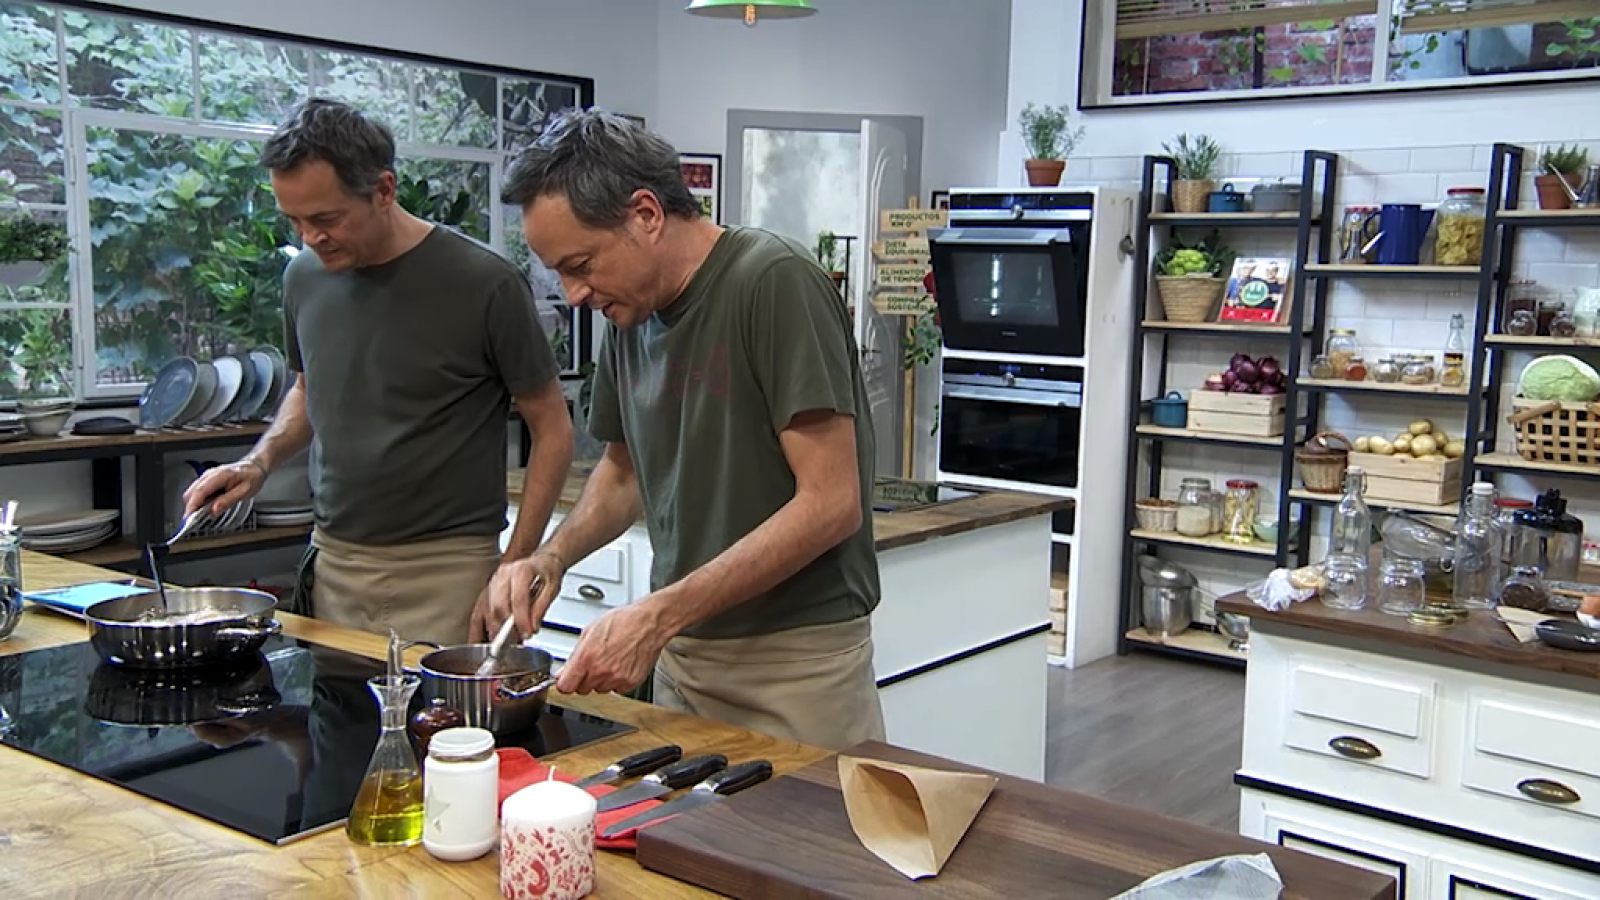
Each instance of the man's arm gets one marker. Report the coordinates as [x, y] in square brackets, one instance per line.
[290, 432]
[549, 423]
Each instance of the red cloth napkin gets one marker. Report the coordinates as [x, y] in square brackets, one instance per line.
[518, 769]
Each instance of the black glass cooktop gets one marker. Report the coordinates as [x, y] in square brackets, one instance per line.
[274, 747]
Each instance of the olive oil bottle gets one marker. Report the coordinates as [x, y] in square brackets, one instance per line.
[388, 806]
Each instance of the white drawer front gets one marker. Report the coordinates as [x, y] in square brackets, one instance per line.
[1407, 865]
[1379, 719]
[608, 564]
[1540, 755]
[558, 644]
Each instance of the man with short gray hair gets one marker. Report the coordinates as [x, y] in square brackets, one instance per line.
[408, 343]
[735, 418]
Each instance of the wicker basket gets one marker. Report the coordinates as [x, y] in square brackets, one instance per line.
[1190, 196]
[1154, 514]
[1322, 465]
[1566, 433]
[1189, 298]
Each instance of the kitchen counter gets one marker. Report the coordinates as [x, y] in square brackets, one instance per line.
[890, 529]
[68, 834]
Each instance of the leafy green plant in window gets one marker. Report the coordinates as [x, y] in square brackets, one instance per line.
[1581, 44]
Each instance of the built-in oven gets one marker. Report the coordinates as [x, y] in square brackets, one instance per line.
[1014, 425]
[1011, 272]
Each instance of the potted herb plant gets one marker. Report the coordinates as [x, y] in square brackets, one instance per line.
[828, 255]
[27, 246]
[1196, 157]
[1190, 277]
[1557, 164]
[1050, 140]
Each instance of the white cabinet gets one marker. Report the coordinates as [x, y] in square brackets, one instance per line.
[1370, 717]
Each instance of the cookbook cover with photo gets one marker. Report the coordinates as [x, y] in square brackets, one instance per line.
[1259, 290]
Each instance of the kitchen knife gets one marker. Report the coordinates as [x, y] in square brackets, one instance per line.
[629, 766]
[664, 781]
[733, 778]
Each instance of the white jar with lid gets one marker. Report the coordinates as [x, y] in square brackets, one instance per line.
[461, 784]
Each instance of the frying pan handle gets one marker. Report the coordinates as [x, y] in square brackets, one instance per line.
[242, 635]
[546, 684]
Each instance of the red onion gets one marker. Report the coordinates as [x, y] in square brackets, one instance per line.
[1269, 368]
[1268, 389]
[1247, 372]
[1237, 359]
[1229, 379]
[1241, 388]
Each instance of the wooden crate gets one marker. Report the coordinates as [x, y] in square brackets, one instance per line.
[1057, 644]
[1220, 412]
[1406, 479]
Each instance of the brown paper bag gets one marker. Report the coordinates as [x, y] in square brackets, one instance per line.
[911, 817]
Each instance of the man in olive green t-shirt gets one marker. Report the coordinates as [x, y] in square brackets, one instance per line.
[735, 417]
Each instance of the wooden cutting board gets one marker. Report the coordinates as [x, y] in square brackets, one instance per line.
[791, 837]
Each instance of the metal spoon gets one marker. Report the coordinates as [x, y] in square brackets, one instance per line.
[497, 647]
[190, 523]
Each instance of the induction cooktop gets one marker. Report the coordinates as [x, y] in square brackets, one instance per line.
[274, 747]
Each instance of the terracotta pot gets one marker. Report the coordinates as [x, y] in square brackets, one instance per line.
[838, 279]
[1551, 196]
[1045, 172]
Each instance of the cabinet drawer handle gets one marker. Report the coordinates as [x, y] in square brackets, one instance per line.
[1355, 748]
[1546, 791]
[590, 592]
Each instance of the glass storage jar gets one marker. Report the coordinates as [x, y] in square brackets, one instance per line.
[1548, 310]
[1344, 582]
[1401, 590]
[1321, 366]
[1419, 370]
[1342, 347]
[1357, 370]
[1563, 324]
[1387, 371]
[1522, 323]
[1519, 298]
[1240, 507]
[1525, 589]
[1460, 222]
[1196, 518]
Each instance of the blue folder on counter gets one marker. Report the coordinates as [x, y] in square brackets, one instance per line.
[74, 600]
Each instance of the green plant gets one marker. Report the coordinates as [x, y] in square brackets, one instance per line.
[1568, 160]
[26, 238]
[444, 205]
[924, 340]
[1581, 43]
[828, 250]
[1209, 256]
[1196, 156]
[1046, 131]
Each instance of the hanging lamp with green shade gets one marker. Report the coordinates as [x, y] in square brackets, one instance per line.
[751, 12]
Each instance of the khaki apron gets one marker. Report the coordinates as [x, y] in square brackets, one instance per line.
[813, 685]
[424, 590]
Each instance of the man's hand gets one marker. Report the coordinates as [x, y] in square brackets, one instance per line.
[523, 589]
[617, 652]
[223, 486]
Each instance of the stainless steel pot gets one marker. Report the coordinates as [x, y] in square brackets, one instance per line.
[507, 702]
[124, 631]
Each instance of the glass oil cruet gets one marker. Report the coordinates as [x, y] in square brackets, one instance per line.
[388, 807]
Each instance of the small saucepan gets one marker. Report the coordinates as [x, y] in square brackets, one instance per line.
[198, 627]
[509, 701]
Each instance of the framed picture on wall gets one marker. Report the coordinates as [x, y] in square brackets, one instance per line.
[702, 172]
[939, 200]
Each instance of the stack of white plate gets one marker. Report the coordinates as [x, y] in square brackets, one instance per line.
[68, 532]
[11, 427]
[284, 515]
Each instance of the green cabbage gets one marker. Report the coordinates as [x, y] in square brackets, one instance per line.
[1563, 378]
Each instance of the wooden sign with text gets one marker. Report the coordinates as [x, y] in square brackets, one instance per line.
[903, 304]
[902, 276]
[912, 219]
[910, 249]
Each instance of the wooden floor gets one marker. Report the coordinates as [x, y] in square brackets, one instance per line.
[1157, 733]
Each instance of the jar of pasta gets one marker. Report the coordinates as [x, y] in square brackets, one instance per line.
[1342, 348]
[1460, 222]
[1240, 507]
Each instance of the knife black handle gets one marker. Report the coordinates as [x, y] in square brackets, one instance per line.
[738, 777]
[648, 761]
[688, 771]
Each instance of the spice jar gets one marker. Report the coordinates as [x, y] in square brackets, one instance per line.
[1548, 310]
[1240, 508]
[1419, 370]
[1519, 298]
[1387, 371]
[1342, 347]
[1357, 370]
[461, 812]
[1522, 323]
[432, 719]
[1321, 366]
[1564, 324]
[1460, 222]
[1525, 589]
[1196, 518]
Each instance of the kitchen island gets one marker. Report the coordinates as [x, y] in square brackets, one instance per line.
[959, 636]
[1463, 762]
[65, 834]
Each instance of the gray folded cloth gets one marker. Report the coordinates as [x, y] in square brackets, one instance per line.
[1223, 878]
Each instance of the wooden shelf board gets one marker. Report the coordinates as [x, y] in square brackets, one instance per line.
[73, 442]
[1228, 217]
[1257, 548]
[1513, 461]
[1576, 215]
[1439, 271]
[1340, 384]
[123, 550]
[1540, 340]
[1193, 640]
[1185, 433]
[1162, 325]
[1448, 509]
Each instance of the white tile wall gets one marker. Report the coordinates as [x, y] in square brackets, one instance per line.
[1389, 317]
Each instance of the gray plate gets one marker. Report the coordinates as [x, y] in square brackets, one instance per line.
[1569, 634]
[168, 393]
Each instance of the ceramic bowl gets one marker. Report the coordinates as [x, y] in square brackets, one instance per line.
[1266, 530]
[46, 424]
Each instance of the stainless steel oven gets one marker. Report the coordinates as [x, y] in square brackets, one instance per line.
[1011, 273]
[1010, 424]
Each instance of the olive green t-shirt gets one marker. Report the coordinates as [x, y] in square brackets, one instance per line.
[699, 393]
[410, 368]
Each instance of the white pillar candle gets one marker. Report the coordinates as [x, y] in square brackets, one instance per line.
[547, 843]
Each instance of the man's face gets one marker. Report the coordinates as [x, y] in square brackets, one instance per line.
[344, 230]
[612, 270]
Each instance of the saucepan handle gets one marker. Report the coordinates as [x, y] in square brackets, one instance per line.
[516, 695]
[241, 634]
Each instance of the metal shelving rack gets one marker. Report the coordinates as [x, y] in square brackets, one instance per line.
[1313, 240]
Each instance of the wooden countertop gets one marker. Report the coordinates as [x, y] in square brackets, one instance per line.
[890, 529]
[1481, 637]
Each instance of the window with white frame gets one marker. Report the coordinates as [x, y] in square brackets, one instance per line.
[1165, 51]
[136, 224]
